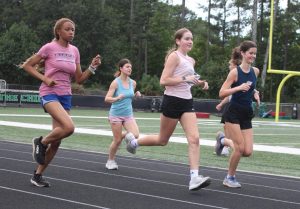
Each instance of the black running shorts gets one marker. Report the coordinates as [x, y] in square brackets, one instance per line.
[174, 107]
[239, 114]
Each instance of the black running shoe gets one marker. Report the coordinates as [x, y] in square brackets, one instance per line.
[39, 181]
[39, 150]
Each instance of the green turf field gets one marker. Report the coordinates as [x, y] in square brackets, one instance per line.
[266, 132]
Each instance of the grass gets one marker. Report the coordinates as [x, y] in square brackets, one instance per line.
[265, 132]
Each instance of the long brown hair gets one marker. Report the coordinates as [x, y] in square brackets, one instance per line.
[59, 23]
[246, 45]
[121, 63]
[236, 57]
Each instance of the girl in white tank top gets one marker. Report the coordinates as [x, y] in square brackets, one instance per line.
[177, 75]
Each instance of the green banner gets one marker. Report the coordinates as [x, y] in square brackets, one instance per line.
[20, 98]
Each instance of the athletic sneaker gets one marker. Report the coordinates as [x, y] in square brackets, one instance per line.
[231, 182]
[198, 182]
[219, 146]
[111, 165]
[39, 181]
[128, 138]
[39, 150]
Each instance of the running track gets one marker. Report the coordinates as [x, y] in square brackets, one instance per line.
[79, 180]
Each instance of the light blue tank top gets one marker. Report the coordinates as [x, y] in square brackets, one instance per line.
[123, 107]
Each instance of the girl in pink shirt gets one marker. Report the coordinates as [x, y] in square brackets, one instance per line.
[62, 62]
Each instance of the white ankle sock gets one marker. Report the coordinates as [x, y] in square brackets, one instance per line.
[222, 141]
[194, 173]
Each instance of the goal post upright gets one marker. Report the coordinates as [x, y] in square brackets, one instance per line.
[288, 73]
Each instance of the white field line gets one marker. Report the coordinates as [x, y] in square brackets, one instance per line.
[265, 148]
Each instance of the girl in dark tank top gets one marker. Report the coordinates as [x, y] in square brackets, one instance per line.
[240, 83]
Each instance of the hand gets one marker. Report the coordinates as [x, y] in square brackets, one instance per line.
[203, 83]
[96, 61]
[219, 107]
[192, 79]
[138, 94]
[121, 96]
[244, 87]
[205, 87]
[256, 97]
[49, 82]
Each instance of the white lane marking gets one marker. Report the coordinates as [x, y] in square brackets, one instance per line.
[52, 197]
[120, 190]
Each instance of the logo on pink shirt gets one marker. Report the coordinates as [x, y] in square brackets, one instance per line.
[62, 56]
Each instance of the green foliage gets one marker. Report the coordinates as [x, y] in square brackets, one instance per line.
[215, 80]
[149, 85]
[16, 44]
[144, 32]
[160, 32]
[78, 89]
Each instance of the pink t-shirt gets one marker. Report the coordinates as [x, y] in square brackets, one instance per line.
[60, 65]
[184, 68]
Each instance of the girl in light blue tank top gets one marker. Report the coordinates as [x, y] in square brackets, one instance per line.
[123, 107]
[120, 95]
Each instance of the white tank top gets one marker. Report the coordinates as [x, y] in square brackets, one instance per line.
[184, 68]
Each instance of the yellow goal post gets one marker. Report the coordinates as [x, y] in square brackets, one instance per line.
[288, 73]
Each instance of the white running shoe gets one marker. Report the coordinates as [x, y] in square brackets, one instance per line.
[231, 182]
[128, 138]
[198, 182]
[111, 165]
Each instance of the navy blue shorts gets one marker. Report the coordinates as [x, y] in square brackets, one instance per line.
[239, 114]
[64, 100]
[174, 107]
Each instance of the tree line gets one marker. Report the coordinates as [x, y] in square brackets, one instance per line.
[142, 30]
